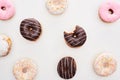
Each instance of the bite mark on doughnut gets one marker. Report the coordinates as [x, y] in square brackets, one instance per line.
[76, 38]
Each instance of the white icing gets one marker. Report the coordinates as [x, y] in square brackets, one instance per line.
[3, 46]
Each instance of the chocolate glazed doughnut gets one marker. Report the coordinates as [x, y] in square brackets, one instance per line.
[30, 29]
[67, 68]
[77, 38]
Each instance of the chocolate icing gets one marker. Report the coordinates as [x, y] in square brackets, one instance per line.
[30, 29]
[77, 38]
[66, 67]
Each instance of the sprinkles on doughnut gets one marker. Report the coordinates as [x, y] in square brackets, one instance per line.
[56, 7]
[25, 69]
[105, 65]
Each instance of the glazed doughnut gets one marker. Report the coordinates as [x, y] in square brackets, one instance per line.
[30, 29]
[5, 45]
[7, 9]
[67, 68]
[56, 7]
[25, 69]
[77, 38]
[105, 65]
[109, 11]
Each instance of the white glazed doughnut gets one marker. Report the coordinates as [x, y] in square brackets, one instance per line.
[25, 69]
[5, 45]
[105, 65]
[56, 7]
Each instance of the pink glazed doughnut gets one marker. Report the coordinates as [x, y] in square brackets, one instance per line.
[7, 9]
[109, 12]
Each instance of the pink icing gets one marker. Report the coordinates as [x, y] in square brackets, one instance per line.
[7, 9]
[109, 11]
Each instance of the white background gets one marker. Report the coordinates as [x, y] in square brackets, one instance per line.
[51, 47]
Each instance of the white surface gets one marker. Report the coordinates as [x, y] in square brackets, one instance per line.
[51, 47]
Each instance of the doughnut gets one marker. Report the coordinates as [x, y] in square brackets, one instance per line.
[76, 38]
[105, 65]
[30, 29]
[5, 45]
[7, 10]
[66, 68]
[25, 69]
[109, 11]
[56, 7]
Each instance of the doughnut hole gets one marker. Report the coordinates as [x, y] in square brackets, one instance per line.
[24, 70]
[3, 8]
[106, 64]
[111, 11]
[74, 36]
[30, 29]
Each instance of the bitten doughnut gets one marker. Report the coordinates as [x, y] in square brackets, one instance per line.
[109, 12]
[76, 38]
[7, 10]
[5, 45]
[56, 6]
[30, 29]
[25, 69]
[67, 68]
[105, 64]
